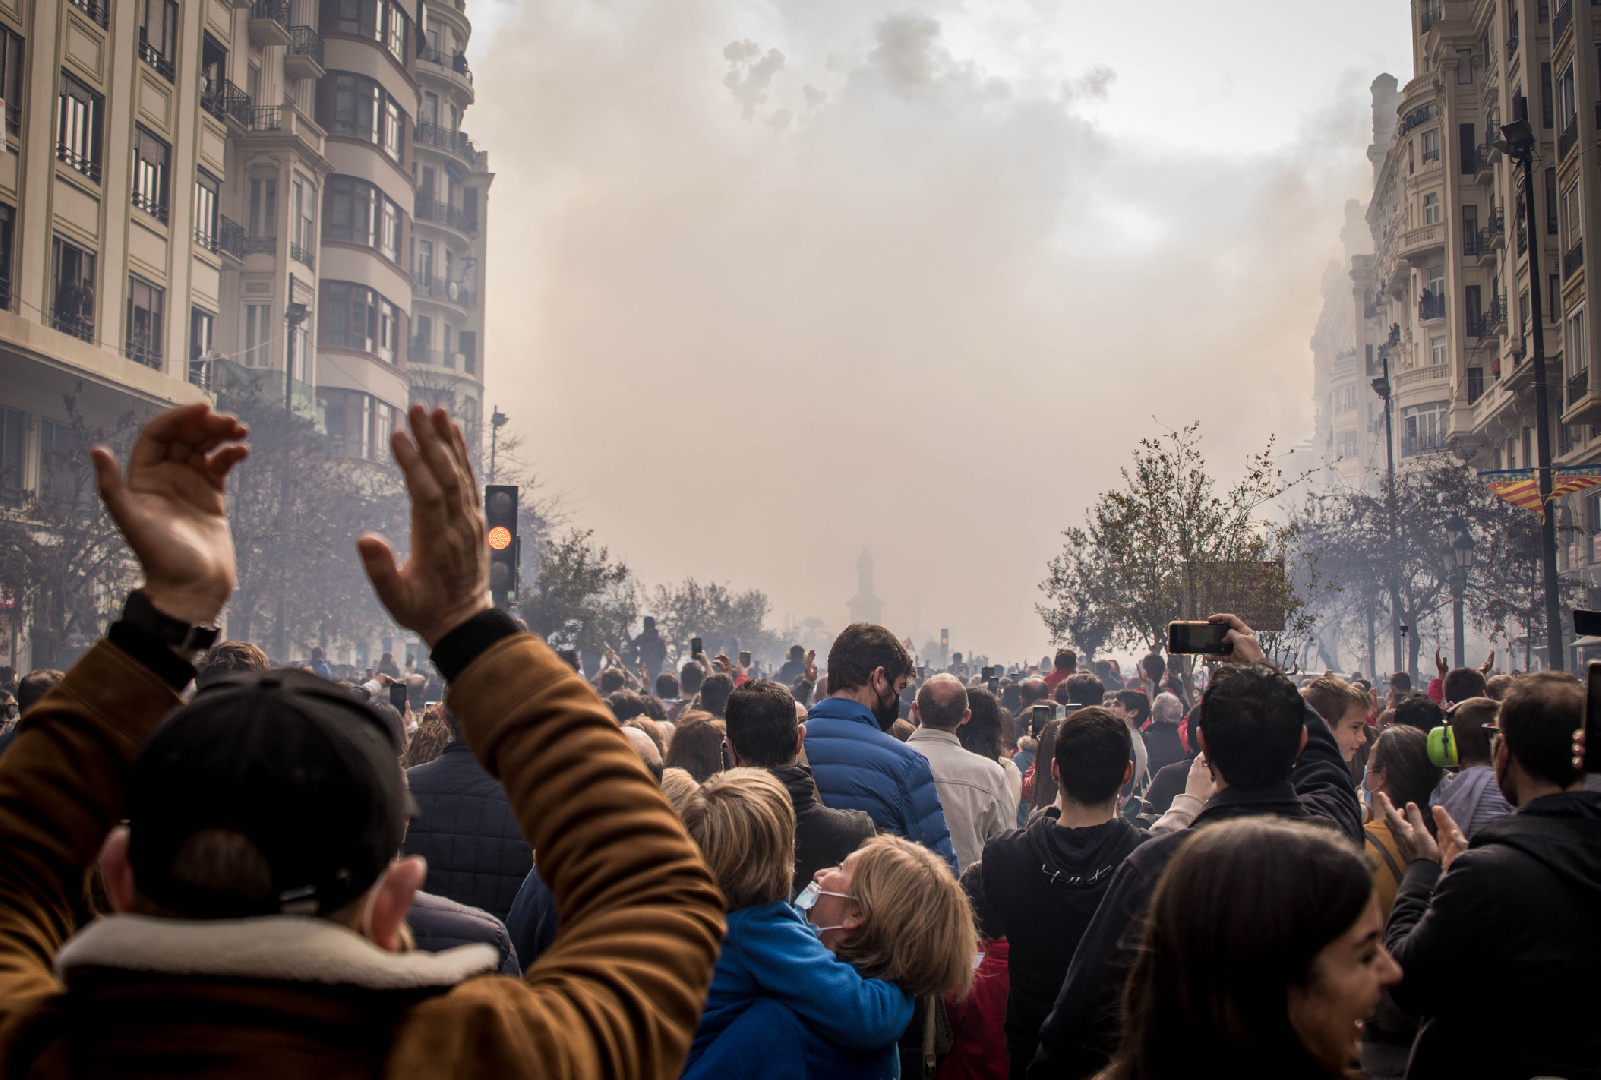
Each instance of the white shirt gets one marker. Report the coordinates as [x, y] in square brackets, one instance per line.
[972, 792]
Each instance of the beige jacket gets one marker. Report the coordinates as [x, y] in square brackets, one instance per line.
[972, 792]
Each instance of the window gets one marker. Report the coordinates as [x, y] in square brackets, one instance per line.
[467, 343]
[59, 482]
[7, 238]
[358, 424]
[1422, 428]
[1572, 218]
[1436, 280]
[1475, 384]
[356, 212]
[1553, 299]
[1468, 147]
[1431, 208]
[388, 330]
[257, 335]
[72, 293]
[425, 261]
[262, 222]
[213, 67]
[1345, 444]
[78, 127]
[150, 157]
[349, 318]
[146, 304]
[1523, 310]
[1437, 349]
[158, 34]
[356, 107]
[12, 430]
[395, 36]
[206, 194]
[358, 17]
[1470, 228]
[1575, 349]
[1431, 146]
[1345, 399]
[1547, 99]
[201, 324]
[1551, 201]
[1567, 102]
[302, 220]
[389, 239]
[11, 79]
[430, 107]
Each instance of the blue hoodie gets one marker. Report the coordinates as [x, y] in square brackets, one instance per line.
[771, 952]
[859, 767]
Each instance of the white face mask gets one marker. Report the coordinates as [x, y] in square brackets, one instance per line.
[808, 900]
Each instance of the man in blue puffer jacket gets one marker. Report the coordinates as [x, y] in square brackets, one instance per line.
[856, 764]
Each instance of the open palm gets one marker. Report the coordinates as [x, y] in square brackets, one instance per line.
[170, 507]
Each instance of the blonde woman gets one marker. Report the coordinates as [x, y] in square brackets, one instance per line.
[780, 1003]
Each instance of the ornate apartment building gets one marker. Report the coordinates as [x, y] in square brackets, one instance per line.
[196, 192]
[1444, 301]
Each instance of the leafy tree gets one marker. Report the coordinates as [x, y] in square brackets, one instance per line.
[580, 596]
[1168, 545]
[722, 618]
[63, 563]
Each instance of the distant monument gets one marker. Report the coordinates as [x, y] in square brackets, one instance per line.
[865, 607]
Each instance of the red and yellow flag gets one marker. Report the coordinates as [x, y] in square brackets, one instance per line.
[1521, 487]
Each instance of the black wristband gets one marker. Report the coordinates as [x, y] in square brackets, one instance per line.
[152, 652]
[470, 640]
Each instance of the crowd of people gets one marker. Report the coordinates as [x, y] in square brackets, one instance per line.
[492, 864]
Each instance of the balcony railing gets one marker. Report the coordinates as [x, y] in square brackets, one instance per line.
[150, 205]
[200, 373]
[1578, 386]
[1568, 139]
[1412, 445]
[141, 352]
[1561, 19]
[1523, 238]
[1431, 305]
[79, 326]
[276, 10]
[1475, 243]
[455, 61]
[304, 41]
[98, 10]
[439, 289]
[211, 101]
[157, 59]
[261, 245]
[429, 209]
[302, 255]
[1573, 260]
[454, 142]
[230, 237]
[206, 236]
[82, 163]
[236, 105]
[266, 118]
[1481, 156]
[418, 352]
[1431, 15]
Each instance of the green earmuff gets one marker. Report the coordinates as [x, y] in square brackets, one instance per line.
[1442, 748]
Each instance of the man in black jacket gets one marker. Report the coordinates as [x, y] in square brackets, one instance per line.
[1044, 882]
[1271, 754]
[764, 733]
[1499, 944]
[466, 830]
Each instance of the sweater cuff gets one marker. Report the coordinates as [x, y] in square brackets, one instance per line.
[459, 648]
[153, 653]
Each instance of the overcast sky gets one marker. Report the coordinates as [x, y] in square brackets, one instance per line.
[772, 281]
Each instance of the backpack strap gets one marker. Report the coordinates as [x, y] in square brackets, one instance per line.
[1384, 853]
[930, 1059]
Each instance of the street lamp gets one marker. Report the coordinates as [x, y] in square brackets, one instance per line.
[1457, 559]
[1517, 143]
[1381, 387]
[294, 314]
[497, 420]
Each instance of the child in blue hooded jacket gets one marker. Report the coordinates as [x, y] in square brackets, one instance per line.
[845, 1025]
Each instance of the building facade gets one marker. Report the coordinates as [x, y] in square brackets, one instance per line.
[1446, 303]
[199, 192]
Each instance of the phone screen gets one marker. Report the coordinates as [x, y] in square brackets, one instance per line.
[694, 647]
[1207, 638]
[744, 658]
[397, 696]
[1592, 720]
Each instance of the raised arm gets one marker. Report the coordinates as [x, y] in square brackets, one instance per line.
[620, 990]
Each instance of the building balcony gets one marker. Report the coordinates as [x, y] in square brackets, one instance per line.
[230, 238]
[449, 67]
[1421, 241]
[237, 108]
[1568, 139]
[303, 255]
[141, 351]
[455, 143]
[1422, 443]
[269, 22]
[1431, 306]
[442, 213]
[1484, 161]
[451, 292]
[1581, 403]
[150, 205]
[304, 58]
[261, 245]
[1496, 228]
[98, 10]
[157, 59]
[1424, 383]
[1561, 20]
[1573, 260]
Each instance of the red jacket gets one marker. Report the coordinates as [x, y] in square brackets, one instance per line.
[1055, 677]
[980, 1050]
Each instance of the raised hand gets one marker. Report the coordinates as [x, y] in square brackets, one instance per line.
[1440, 665]
[811, 667]
[1247, 650]
[170, 507]
[1452, 843]
[446, 577]
[1488, 665]
[1411, 837]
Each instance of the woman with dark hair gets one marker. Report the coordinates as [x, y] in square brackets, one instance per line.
[1262, 955]
[984, 734]
[697, 746]
[1399, 766]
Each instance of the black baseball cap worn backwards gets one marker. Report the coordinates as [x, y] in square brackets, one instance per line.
[291, 762]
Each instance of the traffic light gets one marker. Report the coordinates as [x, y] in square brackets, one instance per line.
[500, 513]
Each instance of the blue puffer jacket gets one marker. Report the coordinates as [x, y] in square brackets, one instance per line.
[847, 1025]
[859, 767]
[466, 830]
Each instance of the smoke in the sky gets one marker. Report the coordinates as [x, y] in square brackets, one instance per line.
[769, 282]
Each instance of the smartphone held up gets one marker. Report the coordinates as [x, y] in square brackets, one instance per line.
[1204, 638]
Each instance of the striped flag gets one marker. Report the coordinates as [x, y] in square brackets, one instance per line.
[1521, 487]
